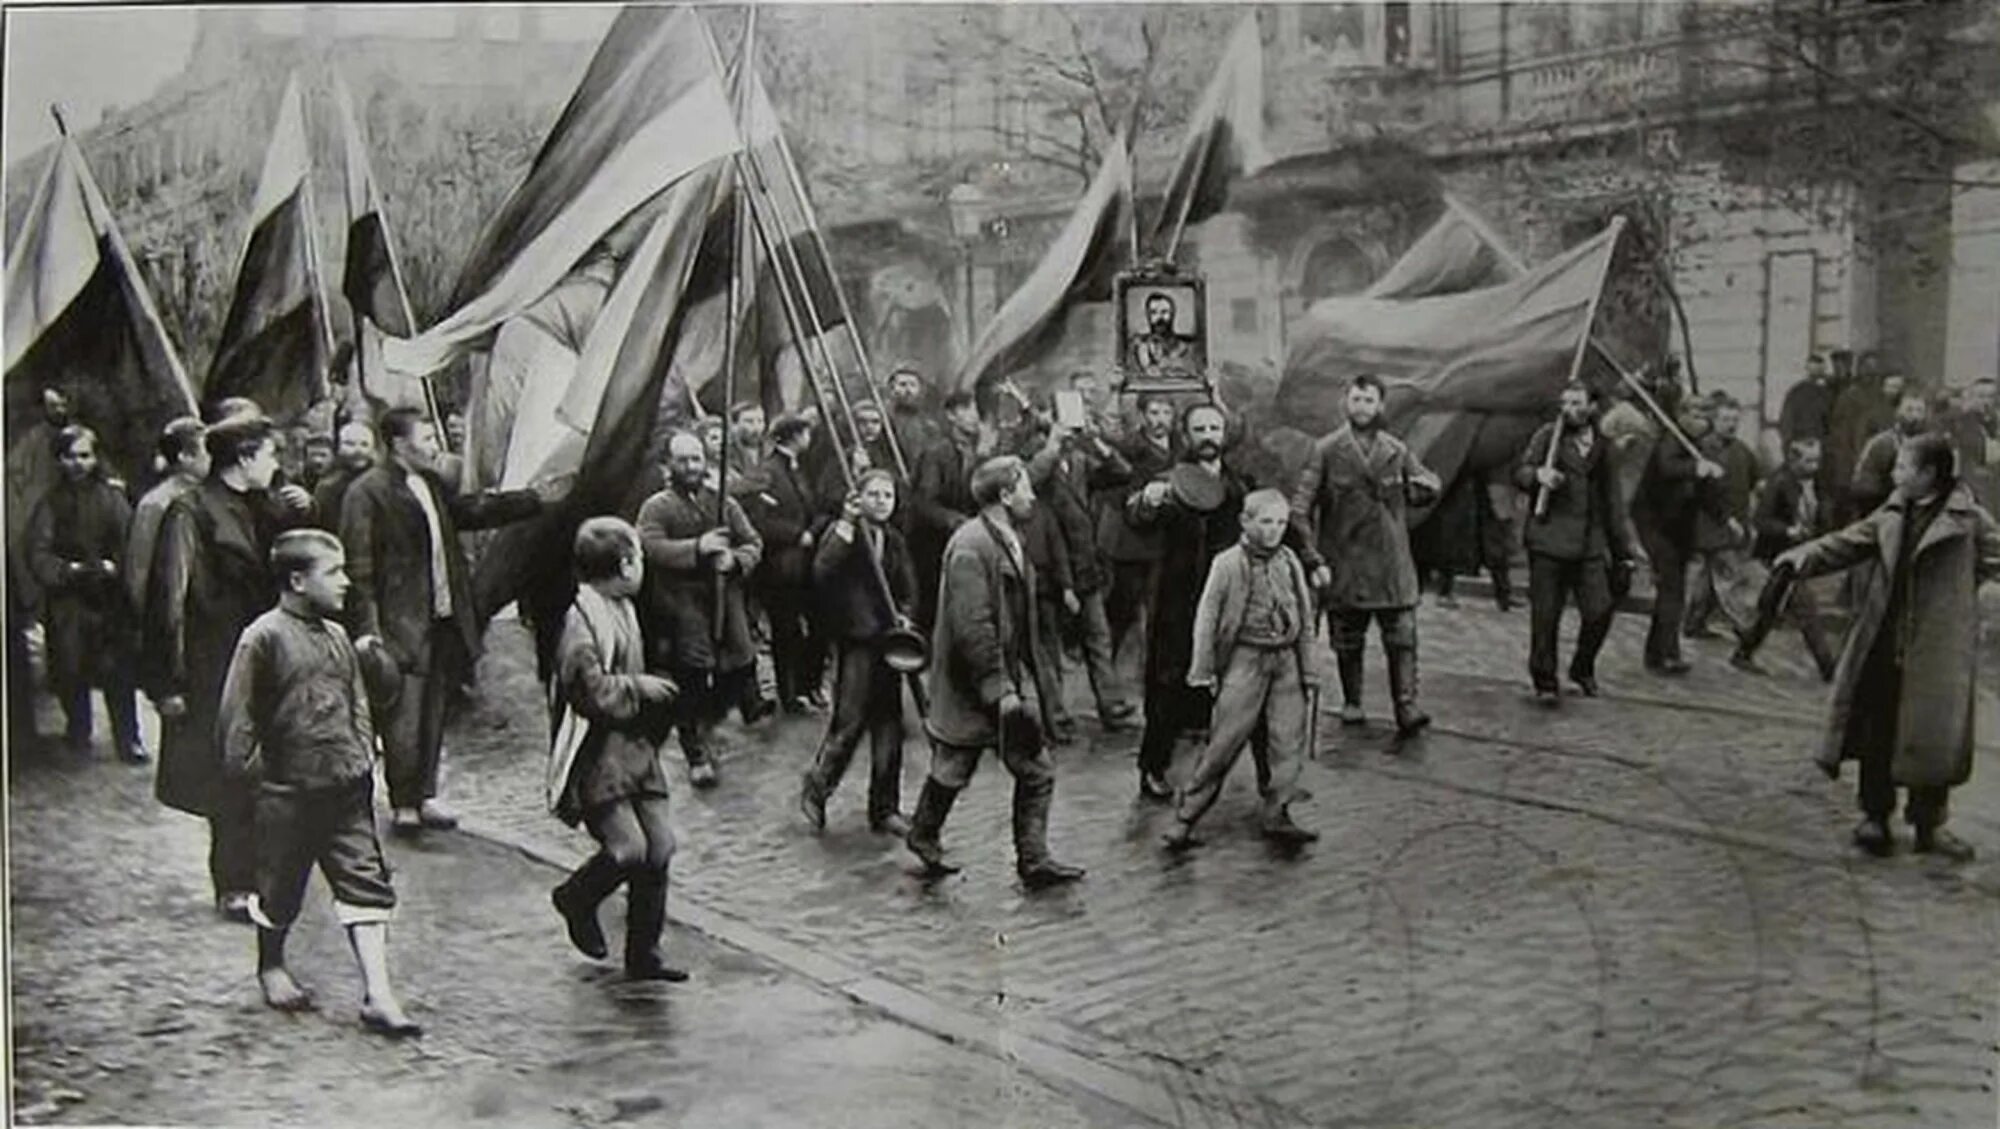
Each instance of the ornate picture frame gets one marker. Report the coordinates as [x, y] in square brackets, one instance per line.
[1171, 356]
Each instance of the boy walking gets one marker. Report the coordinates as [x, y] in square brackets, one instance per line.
[295, 726]
[1251, 628]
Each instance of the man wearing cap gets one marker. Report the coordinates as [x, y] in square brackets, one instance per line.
[781, 507]
[983, 678]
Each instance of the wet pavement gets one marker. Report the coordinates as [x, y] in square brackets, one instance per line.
[1638, 910]
[134, 1004]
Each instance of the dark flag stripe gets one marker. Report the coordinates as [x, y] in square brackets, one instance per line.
[95, 354]
[274, 298]
[367, 281]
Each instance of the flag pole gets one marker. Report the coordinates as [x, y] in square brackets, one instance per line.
[313, 263]
[839, 289]
[1187, 198]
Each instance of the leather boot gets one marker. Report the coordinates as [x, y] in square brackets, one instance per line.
[645, 917]
[1350, 687]
[1403, 688]
[579, 896]
[1031, 837]
[933, 804]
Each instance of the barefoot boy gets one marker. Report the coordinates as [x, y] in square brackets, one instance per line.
[294, 724]
[1251, 626]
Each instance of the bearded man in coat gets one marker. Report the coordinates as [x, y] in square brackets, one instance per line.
[1350, 525]
[700, 549]
[1905, 692]
[1192, 531]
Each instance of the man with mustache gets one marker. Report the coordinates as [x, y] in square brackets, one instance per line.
[1348, 511]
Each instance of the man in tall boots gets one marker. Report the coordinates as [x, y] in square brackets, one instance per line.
[412, 589]
[1576, 539]
[1350, 526]
[782, 509]
[983, 679]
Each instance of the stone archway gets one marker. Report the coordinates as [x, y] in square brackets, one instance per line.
[1335, 265]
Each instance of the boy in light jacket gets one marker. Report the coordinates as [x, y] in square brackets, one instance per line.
[1251, 633]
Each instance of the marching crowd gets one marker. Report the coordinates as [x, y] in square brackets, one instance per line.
[294, 601]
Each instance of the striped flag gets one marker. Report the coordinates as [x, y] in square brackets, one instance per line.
[371, 280]
[1091, 248]
[275, 342]
[1225, 138]
[651, 109]
[79, 318]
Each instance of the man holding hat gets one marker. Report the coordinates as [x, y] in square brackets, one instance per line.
[983, 677]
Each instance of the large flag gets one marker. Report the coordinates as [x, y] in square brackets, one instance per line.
[275, 341]
[371, 280]
[1225, 137]
[1456, 254]
[1503, 349]
[79, 318]
[651, 109]
[1092, 247]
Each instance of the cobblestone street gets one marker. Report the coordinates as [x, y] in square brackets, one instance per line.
[1639, 910]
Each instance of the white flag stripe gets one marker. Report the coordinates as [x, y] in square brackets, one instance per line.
[55, 255]
[285, 162]
[360, 179]
[690, 133]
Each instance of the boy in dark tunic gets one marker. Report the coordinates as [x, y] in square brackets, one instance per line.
[295, 728]
[604, 766]
[76, 546]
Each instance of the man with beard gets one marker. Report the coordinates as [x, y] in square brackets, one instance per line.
[1872, 482]
[1160, 349]
[746, 446]
[916, 431]
[983, 680]
[692, 562]
[354, 455]
[1677, 488]
[783, 510]
[1195, 511]
[943, 497]
[1349, 514]
[1789, 512]
[412, 590]
[1575, 543]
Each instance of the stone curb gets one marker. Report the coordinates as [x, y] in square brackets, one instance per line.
[1063, 1056]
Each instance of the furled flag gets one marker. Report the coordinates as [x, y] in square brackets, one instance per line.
[79, 319]
[1503, 349]
[371, 280]
[1225, 139]
[651, 108]
[275, 341]
[1092, 247]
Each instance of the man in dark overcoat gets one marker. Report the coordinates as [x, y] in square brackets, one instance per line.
[942, 497]
[700, 549]
[1576, 540]
[783, 510]
[1194, 522]
[983, 680]
[411, 588]
[1351, 529]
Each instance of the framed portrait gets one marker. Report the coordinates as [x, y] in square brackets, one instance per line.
[1162, 331]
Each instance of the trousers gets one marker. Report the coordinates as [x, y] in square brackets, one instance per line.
[413, 733]
[867, 698]
[1260, 686]
[1552, 582]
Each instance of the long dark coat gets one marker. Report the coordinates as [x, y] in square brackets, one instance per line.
[1937, 630]
[86, 608]
[782, 509]
[1585, 516]
[213, 577]
[1351, 512]
[1191, 541]
[984, 643]
[677, 606]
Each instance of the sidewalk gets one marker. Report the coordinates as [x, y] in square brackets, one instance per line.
[134, 1004]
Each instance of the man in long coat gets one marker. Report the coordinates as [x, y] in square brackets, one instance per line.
[1907, 686]
[700, 548]
[941, 498]
[983, 679]
[1677, 489]
[1575, 543]
[1352, 533]
[412, 590]
[782, 507]
[214, 577]
[1192, 531]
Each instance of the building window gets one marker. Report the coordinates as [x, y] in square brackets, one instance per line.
[1396, 33]
[1243, 315]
